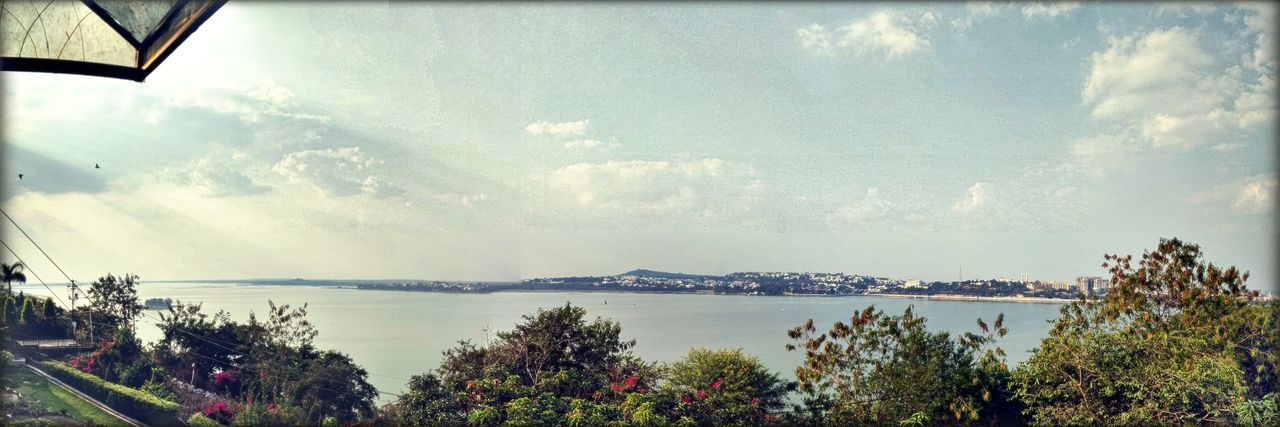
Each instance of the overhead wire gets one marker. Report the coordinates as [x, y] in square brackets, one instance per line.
[27, 268]
[70, 280]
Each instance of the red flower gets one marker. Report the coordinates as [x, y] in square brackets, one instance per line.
[632, 380]
[686, 399]
[716, 385]
[701, 395]
[616, 387]
[755, 401]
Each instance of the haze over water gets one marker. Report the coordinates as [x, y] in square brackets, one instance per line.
[395, 335]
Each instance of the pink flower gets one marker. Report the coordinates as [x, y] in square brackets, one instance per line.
[686, 399]
[616, 387]
[701, 395]
[755, 401]
[716, 385]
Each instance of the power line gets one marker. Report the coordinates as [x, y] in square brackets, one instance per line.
[252, 371]
[247, 357]
[27, 267]
[37, 245]
[69, 279]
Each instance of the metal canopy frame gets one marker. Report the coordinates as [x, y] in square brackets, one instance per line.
[169, 33]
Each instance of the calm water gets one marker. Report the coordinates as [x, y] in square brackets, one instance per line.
[398, 334]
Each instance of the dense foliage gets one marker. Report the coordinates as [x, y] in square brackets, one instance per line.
[558, 368]
[1177, 341]
[881, 369]
[270, 366]
[114, 301]
[132, 402]
[27, 317]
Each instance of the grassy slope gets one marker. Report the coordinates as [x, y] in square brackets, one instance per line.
[38, 392]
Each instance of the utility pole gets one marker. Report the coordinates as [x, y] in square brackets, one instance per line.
[72, 295]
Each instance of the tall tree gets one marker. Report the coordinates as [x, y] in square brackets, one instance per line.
[114, 300]
[10, 273]
[882, 369]
[1178, 340]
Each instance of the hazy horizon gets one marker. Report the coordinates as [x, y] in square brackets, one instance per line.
[494, 142]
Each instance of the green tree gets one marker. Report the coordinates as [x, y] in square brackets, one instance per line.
[881, 369]
[1178, 340]
[29, 316]
[429, 402]
[724, 387]
[10, 273]
[332, 385]
[555, 367]
[114, 301]
[192, 337]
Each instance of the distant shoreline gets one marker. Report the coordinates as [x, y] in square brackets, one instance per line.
[945, 297]
[940, 297]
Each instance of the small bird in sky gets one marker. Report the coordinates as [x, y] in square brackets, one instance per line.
[19, 177]
[95, 166]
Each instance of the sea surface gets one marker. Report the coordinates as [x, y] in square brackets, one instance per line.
[396, 334]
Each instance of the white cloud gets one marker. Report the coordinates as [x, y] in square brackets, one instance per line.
[869, 209]
[892, 34]
[816, 39]
[335, 172]
[974, 12]
[1185, 131]
[464, 200]
[1168, 89]
[219, 174]
[1249, 195]
[589, 143]
[1259, 22]
[697, 189]
[1049, 10]
[374, 187]
[1256, 195]
[577, 128]
[975, 197]
[1100, 154]
[1160, 72]
[253, 103]
[1183, 8]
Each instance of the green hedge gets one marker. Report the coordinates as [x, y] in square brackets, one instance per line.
[129, 401]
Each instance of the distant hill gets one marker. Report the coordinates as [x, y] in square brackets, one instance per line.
[640, 272]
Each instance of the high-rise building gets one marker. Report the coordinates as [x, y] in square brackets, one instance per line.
[1092, 285]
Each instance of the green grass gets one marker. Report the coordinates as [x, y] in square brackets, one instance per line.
[43, 403]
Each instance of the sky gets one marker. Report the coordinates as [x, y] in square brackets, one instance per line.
[505, 141]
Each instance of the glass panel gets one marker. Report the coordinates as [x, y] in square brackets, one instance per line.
[61, 29]
[139, 17]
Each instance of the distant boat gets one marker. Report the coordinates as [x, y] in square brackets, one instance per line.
[606, 302]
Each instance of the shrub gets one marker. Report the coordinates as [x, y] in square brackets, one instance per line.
[132, 402]
[220, 412]
[725, 387]
[198, 420]
[160, 390]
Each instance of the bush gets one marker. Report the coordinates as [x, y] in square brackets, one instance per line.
[725, 387]
[132, 402]
[198, 420]
[160, 390]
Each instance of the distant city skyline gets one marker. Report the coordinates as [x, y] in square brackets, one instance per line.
[501, 141]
